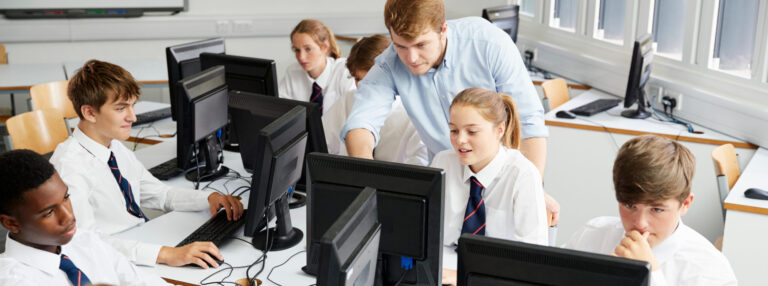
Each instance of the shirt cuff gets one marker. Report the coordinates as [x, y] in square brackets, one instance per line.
[146, 254]
[353, 126]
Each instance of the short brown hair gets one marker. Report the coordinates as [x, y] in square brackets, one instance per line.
[651, 168]
[363, 53]
[320, 34]
[98, 82]
[495, 107]
[409, 18]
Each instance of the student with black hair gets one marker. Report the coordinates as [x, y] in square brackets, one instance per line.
[43, 246]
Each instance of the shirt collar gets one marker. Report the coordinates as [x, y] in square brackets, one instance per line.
[32, 257]
[322, 80]
[450, 47]
[667, 248]
[91, 146]
[487, 174]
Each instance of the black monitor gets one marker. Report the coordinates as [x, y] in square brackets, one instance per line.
[499, 262]
[639, 73]
[410, 200]
[277, 153]
[350, 247]
[184, 60]
[205, 95]
[504, 17]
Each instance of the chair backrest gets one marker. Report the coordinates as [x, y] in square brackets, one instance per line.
[726, 163]
[52, 95]
[556, 91]
[3, 56]
[39, 130]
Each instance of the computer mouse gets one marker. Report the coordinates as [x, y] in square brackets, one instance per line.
[755, 193]
[565, 114]
[220, 262]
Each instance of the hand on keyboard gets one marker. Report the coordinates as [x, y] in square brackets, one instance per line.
[203, 254]
[231, 205]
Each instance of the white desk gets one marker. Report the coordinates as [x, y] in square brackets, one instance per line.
[18, 78]
[145, 71]
[746, 234]
[171, 228]
[153, 132]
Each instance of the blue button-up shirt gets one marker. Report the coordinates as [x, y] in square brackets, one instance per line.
[478, 54]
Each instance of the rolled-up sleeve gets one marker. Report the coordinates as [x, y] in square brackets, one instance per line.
[373, 102]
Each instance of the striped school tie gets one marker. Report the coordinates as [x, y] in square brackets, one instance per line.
[130, 204]
[474, 216]
[77, 277]
[317, 95]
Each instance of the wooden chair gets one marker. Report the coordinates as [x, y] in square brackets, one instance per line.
[53, 95]
[727, 171]
[555, 93]
[39, 130]
[3, 56]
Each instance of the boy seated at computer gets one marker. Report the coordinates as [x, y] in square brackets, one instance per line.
[652, 179]
[44, 246]
[107, 182]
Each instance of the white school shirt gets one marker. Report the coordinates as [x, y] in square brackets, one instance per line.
[335, 81]
[513, 195]
[399, 142]
[684, 258]
[98, 202]
[25, 265]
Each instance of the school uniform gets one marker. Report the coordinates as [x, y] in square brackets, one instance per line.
[512, 194]
[334, 82]
[684, 258]
[399, 140]
[96, 260]
[98, 199]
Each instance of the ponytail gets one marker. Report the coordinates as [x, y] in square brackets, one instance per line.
[333, 48]
[511, 138]
[497, 108]
[320, 34]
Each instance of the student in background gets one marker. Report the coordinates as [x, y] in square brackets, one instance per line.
[44, 246]
[108, 183]
[652, 177]
[491, 189]
[319, 75]
[400, 142]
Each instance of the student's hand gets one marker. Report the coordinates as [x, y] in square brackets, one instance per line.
[231, 205]
[635, 246]
[198, 253]
[449, 276]
[553, 207]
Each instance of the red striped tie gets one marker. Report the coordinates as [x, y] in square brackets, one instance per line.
[474, 216]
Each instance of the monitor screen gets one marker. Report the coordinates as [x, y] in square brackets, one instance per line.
[184, 60]
[492, 261]
[639, 73]
[245, 74]
[410, 210]
[504, 17]
[350, 247]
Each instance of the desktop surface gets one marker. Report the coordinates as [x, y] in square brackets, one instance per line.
[20, 77]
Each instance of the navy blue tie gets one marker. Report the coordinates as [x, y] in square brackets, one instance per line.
[474, 216]
[317, 95]
[74, 274]
[130, 204]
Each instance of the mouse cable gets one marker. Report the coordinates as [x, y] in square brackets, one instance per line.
[281, 264]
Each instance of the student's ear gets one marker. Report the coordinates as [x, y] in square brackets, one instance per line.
[10, 223]
[500, 131]
[444, 28]
[89, 113]
[686, 204]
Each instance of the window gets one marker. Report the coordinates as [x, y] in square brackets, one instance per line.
[564, 14]
[735, 37]
[669, 27]
[528, 7]
[610, 21]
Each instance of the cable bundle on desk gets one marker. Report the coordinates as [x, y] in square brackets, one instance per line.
[669, 116]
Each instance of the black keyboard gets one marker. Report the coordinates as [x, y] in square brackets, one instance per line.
[166, 170]
[596, 106]
[216, 229]
[152, 116]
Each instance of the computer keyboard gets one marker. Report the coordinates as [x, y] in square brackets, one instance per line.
[596, 106]
[216, 229]
[166, 170]
[152, 116]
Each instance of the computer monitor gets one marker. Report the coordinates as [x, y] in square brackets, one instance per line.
[244, 74]
[350, 247]
[499, 262]
[205, 94]
[504, 17]
[183, 61]
[278, 155]
[410, 206]
[639, 73]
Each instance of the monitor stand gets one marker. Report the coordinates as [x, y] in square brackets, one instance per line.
[214, 159]
[283, 235]
[640, 112]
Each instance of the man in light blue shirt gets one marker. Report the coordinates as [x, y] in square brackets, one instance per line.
[430, 61]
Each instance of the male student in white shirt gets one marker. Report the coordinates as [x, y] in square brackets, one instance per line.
[108, 183]
[652, 177]
[44, 246]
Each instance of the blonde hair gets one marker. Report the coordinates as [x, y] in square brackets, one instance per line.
[409, 18]
[495, 107]
[651, 168]
[363, 53]
[320, 33]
